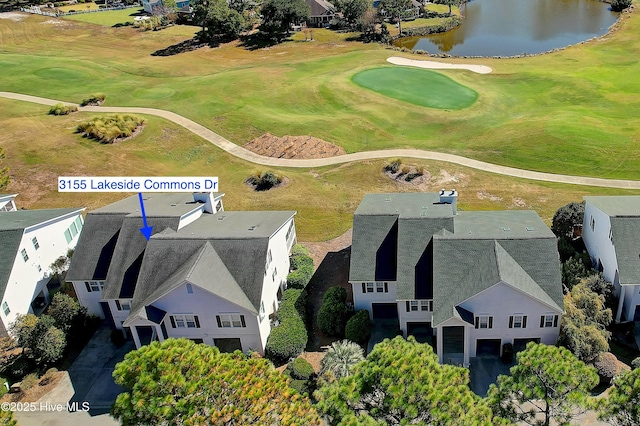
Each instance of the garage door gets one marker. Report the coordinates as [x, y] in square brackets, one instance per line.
[384, 311]
[422, 331]
[488, 347]
[228, 345]
[521, 344]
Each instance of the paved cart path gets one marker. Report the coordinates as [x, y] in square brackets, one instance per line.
[247, 155]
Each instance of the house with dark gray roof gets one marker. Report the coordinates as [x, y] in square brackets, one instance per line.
[30, 242]
[611, 234]
[320, 12]
[467, 282]
[206, 274]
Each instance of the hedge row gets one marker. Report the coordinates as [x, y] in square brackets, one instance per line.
[289, 338]
[333, 312]
[446, 25]
[301, 267]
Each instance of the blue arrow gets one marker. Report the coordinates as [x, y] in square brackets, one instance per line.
[146, 230]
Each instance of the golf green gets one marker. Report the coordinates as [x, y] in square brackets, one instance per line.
[417, 86]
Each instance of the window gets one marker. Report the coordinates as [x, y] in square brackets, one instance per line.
[5, 308]
[548, 320]
[79, 223]
[36, 245]
[94, 285]
[290, 232]
[189, 288]
[123, 306]
[269, 257]
[184, 321]
[67, 236]
[518, 321]
[261, 316]
[592, 223]
[414, 305]
[39, 268]
[382, 287]
[273, 275]
[369, 287]
[426, 305]
[74, 229]
[230, 320]
[24, 254]
[611, 235]
[484, 321]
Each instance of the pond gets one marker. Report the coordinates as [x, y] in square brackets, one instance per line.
[514, 27]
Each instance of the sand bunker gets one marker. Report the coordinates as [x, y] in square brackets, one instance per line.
[480, 69]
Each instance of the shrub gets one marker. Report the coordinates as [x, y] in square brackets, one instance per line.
[3, 386]
[288, 339]
[609, 367]
[393, 166]
[301, 369]
[411, 176]
[620, 5]
[358, 328]
[61, 109]
[29, 381]
[333, 312]
[301, 269]
[301, 386]
[405, 169]
[635, 363]
[95, 99]
[48, 376]
[299, 249]
[108, 129]
[264, 181]
[117, 338]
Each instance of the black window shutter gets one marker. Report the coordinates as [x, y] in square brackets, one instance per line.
[173, 322]
[555, 321]
[524, 321]
[218, 320]
[197, 321]
[408, 305]
[511, 322]
[364, 288]
[477, 322]
[118, 305]
[541, 321]
[386, 287]
[490, 322]
[242, 321]
[86, 283]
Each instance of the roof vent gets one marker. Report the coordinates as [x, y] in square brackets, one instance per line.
[252, 227]
[388, 199]
[173, 205]
[529, 228]
[506, 228]
[221, 217]
[425, 207]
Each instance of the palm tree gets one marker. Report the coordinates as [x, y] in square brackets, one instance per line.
[341, 357]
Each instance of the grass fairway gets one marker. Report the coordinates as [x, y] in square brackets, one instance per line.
[108, 18]
[417, 86]
[41, 147]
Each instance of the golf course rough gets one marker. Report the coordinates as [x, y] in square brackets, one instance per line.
[417, 86]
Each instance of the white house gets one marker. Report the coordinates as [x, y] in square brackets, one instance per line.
[472, 281]
[206, 274]
[610, 232]
[30, 241]
[7, 202]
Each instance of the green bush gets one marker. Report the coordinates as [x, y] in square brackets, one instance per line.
[108, 129]
[263, 181]
[29, 381]
[3, 386]
[95, 99]
[301, 270]
[61, 109]
[299, 249]
[358, 328]
[289, 338]
[620, 5]
[393, 166]
[19, 368]
[333, 312]
[301, 386]
[301, 369]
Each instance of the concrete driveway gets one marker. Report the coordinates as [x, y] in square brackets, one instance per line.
[484, 371]
[87, 382]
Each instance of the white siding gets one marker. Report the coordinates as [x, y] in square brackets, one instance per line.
[502, 301]
[597, 241]
[412, 316]
[364, 300]
[90, 300]
[28, 278]
[206, 306]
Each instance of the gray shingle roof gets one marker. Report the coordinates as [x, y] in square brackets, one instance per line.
[320, 8]
[626, 232]
[451, 258]
[12, 226]
[622, 205]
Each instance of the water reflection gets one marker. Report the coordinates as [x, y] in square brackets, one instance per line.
[513, 27]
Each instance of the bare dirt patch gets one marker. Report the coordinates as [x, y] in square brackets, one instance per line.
[302, 147]
[12, 16]
[409, 175]
[36, 392]
[484, 195]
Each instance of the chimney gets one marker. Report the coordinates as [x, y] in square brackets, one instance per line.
[449, 197]
[212, 201]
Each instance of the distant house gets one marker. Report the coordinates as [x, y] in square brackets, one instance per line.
[412, 12]
[471, 281]
[206, 274]
[611, 232]
[322, 12]
[149, 5]
[30, 241]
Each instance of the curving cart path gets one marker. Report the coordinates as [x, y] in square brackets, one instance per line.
[247, 155]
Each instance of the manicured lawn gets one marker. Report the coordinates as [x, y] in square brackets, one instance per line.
[78, 7]
[41, 147]
[417, 86]
[108, 17]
